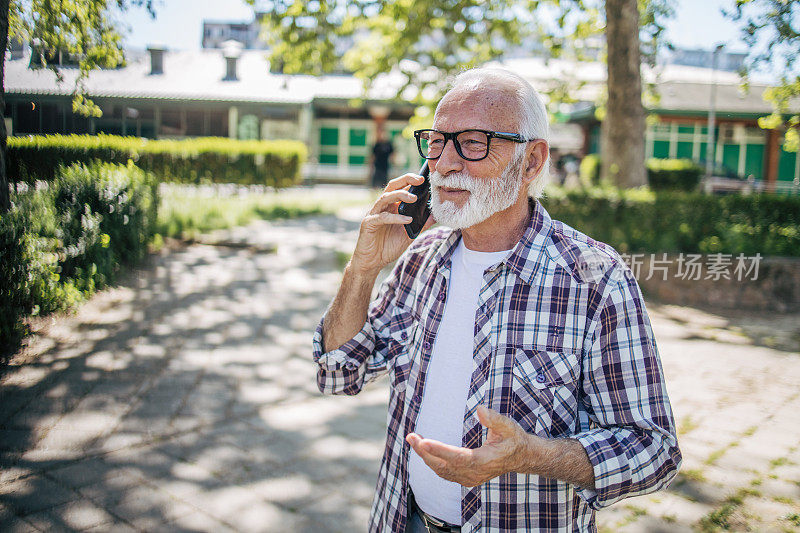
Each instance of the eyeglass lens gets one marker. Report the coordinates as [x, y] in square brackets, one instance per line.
[470, 144]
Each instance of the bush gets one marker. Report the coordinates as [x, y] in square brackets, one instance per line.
[105, 216]
[13, 280]
[62, 243]
[662, 174]
[639, 220]
[673, 174]
[204, 159]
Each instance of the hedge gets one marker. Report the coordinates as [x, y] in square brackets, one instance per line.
[662, 174]
[203, 159]
[673, 174]
[63, 242]
[641, 220]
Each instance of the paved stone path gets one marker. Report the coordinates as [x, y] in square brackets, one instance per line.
[185, 400]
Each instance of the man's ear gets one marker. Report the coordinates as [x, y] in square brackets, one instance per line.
[535, 158]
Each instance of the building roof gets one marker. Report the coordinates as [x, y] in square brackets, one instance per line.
[198, 75]
[190, 75]
[680, 87]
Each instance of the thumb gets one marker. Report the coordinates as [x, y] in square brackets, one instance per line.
[493, 420]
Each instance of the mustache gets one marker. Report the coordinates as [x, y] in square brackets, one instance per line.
[458, 180]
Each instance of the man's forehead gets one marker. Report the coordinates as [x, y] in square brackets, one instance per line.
[476, 107]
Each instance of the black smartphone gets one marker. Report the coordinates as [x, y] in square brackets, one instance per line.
[419, 211]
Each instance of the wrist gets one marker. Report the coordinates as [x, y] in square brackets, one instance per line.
[360, 273]
[532, 452]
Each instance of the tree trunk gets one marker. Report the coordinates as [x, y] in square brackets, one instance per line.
[4, 200]
[623, 130]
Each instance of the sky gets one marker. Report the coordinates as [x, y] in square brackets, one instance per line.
[179, 23]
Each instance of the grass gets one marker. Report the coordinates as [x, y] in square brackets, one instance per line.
[635, 513]
[780, 461]
[793, 518]
[728, 515]
[694, 474]
[686, 425]
[717, 454]
[186, 212]
[750, 431]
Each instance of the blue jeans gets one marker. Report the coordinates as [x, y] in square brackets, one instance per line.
[414, 524]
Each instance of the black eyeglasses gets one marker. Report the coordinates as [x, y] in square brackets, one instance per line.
[472, 145]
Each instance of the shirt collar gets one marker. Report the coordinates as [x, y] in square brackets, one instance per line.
[524, 259]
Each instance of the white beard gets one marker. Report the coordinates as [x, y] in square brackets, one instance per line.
[486, 196]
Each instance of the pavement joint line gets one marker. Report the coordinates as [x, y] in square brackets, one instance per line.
[147, 384]
[184, 400]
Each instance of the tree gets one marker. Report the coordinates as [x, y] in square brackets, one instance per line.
[4, 201]
[81, 29]
[776, 23]
[623, 128]
[425, 42]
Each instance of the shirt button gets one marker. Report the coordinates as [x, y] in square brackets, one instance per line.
[416, 398]
[404, 335]
[427, 346]
[441, 296]
[540, 378]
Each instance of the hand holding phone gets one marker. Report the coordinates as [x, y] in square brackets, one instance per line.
[419, 211]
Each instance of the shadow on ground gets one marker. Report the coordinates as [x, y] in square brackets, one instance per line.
[186, 399]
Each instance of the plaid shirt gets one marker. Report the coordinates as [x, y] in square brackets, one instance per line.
[563, 345]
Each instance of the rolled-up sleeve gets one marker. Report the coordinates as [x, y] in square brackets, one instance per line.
[363, 358]
[630, 434]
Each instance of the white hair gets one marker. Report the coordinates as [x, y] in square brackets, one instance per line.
[533, 121]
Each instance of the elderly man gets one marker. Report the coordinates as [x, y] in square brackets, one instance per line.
[526, 387]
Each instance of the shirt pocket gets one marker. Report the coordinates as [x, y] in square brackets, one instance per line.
[544, 387]
[402, 328]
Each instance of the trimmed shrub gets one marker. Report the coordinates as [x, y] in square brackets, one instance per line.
[639, 220]
[203, 159]
[673, 174]
[63, 242]
[662, 174]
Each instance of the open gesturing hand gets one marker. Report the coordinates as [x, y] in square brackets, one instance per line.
[503, 451]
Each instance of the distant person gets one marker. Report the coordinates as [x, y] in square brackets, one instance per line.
[381, 154]
[525, 386]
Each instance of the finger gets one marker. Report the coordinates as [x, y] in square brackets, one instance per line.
[493, 420]
[437, 464]
[385, 218]
[445, 452]
[389, 198]
[403, 181]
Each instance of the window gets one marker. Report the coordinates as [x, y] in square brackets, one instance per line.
[218, 123]
[329, 145]
[357, 147]
[195, 123]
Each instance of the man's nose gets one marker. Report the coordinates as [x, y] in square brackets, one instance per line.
[449, 161]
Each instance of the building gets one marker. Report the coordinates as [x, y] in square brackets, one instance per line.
[231, 92]
[678, 114]
[216, 32]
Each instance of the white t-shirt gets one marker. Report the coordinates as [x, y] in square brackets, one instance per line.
[441, 415]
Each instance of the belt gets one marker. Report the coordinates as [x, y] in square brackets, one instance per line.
[431, 523]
